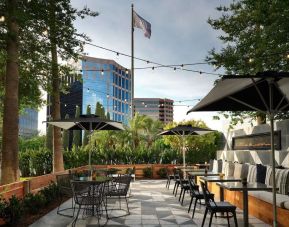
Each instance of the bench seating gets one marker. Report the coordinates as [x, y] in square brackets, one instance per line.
[260, 203]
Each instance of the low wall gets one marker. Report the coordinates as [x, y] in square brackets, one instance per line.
[34, 184]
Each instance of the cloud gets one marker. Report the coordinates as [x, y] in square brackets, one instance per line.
[180, 34]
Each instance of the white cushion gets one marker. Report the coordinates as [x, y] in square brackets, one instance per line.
[251, 177]
[215, 166]
[282, 180]
[268, 197]
[286, 205]
[268, 179]
[238, 170]
[229, 169]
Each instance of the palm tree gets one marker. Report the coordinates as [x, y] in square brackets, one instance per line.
[136, 126]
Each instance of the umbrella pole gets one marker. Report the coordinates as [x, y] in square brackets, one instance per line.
[89, 154]
[273, 170]
[184, 154]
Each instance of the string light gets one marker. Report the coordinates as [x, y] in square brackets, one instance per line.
[126, 71]
[2, 19]
[251, 60]
[102, 72]
[175, 69]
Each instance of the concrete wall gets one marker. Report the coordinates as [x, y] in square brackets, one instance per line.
[258, 156]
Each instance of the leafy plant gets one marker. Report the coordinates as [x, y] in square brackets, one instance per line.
[147, 172]
[162, 172]
[11, 210]
[32, 203]
[50, 193]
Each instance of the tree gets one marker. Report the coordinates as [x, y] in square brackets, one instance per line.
[136, 126]
[99, 110]
[10, 161]
[86, 132]
[49, 137]
[65, 136]
[255, 37]
[77, 133]
[64, 43]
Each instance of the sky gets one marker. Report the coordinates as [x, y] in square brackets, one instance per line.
[180, 35]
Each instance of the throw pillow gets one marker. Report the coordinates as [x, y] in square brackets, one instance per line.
[261, 173]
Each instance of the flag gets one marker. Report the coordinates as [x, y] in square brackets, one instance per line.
[141, 23]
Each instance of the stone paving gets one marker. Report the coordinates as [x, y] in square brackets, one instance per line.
[151, 204]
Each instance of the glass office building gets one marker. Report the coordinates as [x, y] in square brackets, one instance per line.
[28, 123]
[108, 83]
[103, 81]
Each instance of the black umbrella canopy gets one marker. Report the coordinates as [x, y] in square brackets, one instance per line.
[248, 93]
[185, 130]
[266, 92]
[87, 122]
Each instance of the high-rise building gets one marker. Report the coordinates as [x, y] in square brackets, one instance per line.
[156, 108]
[104, 83]
[28, 123]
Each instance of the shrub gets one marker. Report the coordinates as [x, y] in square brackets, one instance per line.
[147, 172]
[32, 203]
[162, 172]
[50, 192]
[24, 163]
[11, 210]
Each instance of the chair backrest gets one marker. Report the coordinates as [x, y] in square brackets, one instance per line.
[207, 193]
[194, 189]
[177, 174]
[63, 183]
[122, 183]
[87, 189]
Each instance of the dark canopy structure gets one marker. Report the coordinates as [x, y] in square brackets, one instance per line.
[185, 130]
[266, 92]
[87, 122]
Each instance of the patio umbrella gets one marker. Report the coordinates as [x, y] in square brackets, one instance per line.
[185, 130]
[89, 122]
[265, 92]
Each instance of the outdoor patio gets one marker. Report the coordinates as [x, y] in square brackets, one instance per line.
[151, 204]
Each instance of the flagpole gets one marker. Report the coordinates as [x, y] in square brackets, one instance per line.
[132, 63]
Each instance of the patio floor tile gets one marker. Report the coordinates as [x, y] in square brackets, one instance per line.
[151, 204]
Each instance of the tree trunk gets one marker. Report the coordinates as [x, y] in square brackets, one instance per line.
[10, 162]
[57, 145]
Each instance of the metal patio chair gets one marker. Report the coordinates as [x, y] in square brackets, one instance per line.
[217, 207]
[90, 196]
[119, 188]
[63, 183]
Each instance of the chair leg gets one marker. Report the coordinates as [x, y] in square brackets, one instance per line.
[127, 205]
[204, 219]
[228, 219]
[180, 195]
[119, 200]
[169, 184]
[60, 202]
[176, 192]
[194, 208]
[190, 204]
[235, 219]
[212, 214]
[75, 219]
[183, 197]
[174, 188]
